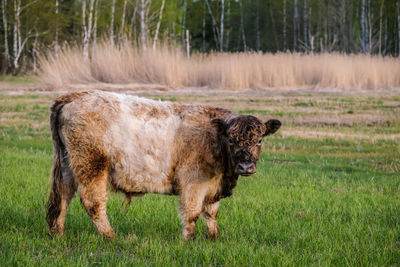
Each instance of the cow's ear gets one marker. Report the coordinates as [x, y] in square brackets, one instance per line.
[272, 126]
[219, 125]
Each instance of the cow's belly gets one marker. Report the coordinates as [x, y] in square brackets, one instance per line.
[141, 153]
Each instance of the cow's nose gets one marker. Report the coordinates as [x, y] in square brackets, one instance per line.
[246, 168]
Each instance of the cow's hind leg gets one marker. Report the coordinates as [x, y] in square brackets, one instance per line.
[62, 192]
[94, 199]
[90, 165]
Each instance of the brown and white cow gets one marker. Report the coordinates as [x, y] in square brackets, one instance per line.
[137, 146]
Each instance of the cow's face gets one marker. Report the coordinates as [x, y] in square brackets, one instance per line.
[242, 138]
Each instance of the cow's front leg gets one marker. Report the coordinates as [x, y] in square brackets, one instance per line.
[210, 212]
[190, 209]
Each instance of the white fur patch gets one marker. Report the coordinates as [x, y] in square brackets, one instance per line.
[142, 143]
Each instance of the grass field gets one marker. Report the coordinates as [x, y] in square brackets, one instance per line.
[327, 191]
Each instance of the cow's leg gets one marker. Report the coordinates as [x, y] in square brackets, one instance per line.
[210, 212]
[94, 199]
[68, 189]
[61, 195]
[190, 209]
[90, 164]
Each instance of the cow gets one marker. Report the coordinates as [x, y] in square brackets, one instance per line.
[135, 145]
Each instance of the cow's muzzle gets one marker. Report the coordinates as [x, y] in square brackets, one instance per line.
[246, 169]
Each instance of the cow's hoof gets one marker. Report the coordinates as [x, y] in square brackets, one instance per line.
[57, 232]
[189, 237]
[213, 237]
[109, 235]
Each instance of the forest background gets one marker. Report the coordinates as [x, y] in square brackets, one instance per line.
[31, 28]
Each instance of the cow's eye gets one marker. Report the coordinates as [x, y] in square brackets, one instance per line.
[230, 141]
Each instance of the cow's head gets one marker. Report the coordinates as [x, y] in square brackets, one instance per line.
[241, 138]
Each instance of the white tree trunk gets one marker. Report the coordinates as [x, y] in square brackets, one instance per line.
[56, 47]
[18, 44]
[158, 25]
[121, 31]
[112, 23]
[184, 22]
[96, 16]
[187, 43]
[87, 30]
[221, 36]
[6, 49]
[35, 52]
[84, 29]
[143, 27]
[16, 33]
[363, 28]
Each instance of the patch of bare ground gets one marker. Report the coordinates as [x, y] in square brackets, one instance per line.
[315, 134]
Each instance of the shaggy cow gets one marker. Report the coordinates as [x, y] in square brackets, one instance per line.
[140, 146]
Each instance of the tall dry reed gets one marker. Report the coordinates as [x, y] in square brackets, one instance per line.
[170, 67]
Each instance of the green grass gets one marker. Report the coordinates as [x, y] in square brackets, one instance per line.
[18, 79]
[312, 202]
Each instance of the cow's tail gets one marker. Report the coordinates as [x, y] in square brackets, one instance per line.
[54, 202]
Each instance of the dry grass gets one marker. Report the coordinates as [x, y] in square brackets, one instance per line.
[170, 67]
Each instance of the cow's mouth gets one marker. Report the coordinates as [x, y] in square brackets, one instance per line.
[247, 174]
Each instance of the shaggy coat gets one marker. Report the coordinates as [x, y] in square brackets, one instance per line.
[138, 146]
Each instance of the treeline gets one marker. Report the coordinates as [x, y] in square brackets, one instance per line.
[32, 27]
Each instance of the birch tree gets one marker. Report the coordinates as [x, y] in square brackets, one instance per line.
[121, 30]
[143, 26]
[112, 23]
[5, 27]
[158, 25]
[221, 35]
[87, 28]
[363, 28]
[56, 47]
[183, 34]
[18, 44]
[96, 17]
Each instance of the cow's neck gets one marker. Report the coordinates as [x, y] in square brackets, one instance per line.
[228, 183]
[229, 179]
